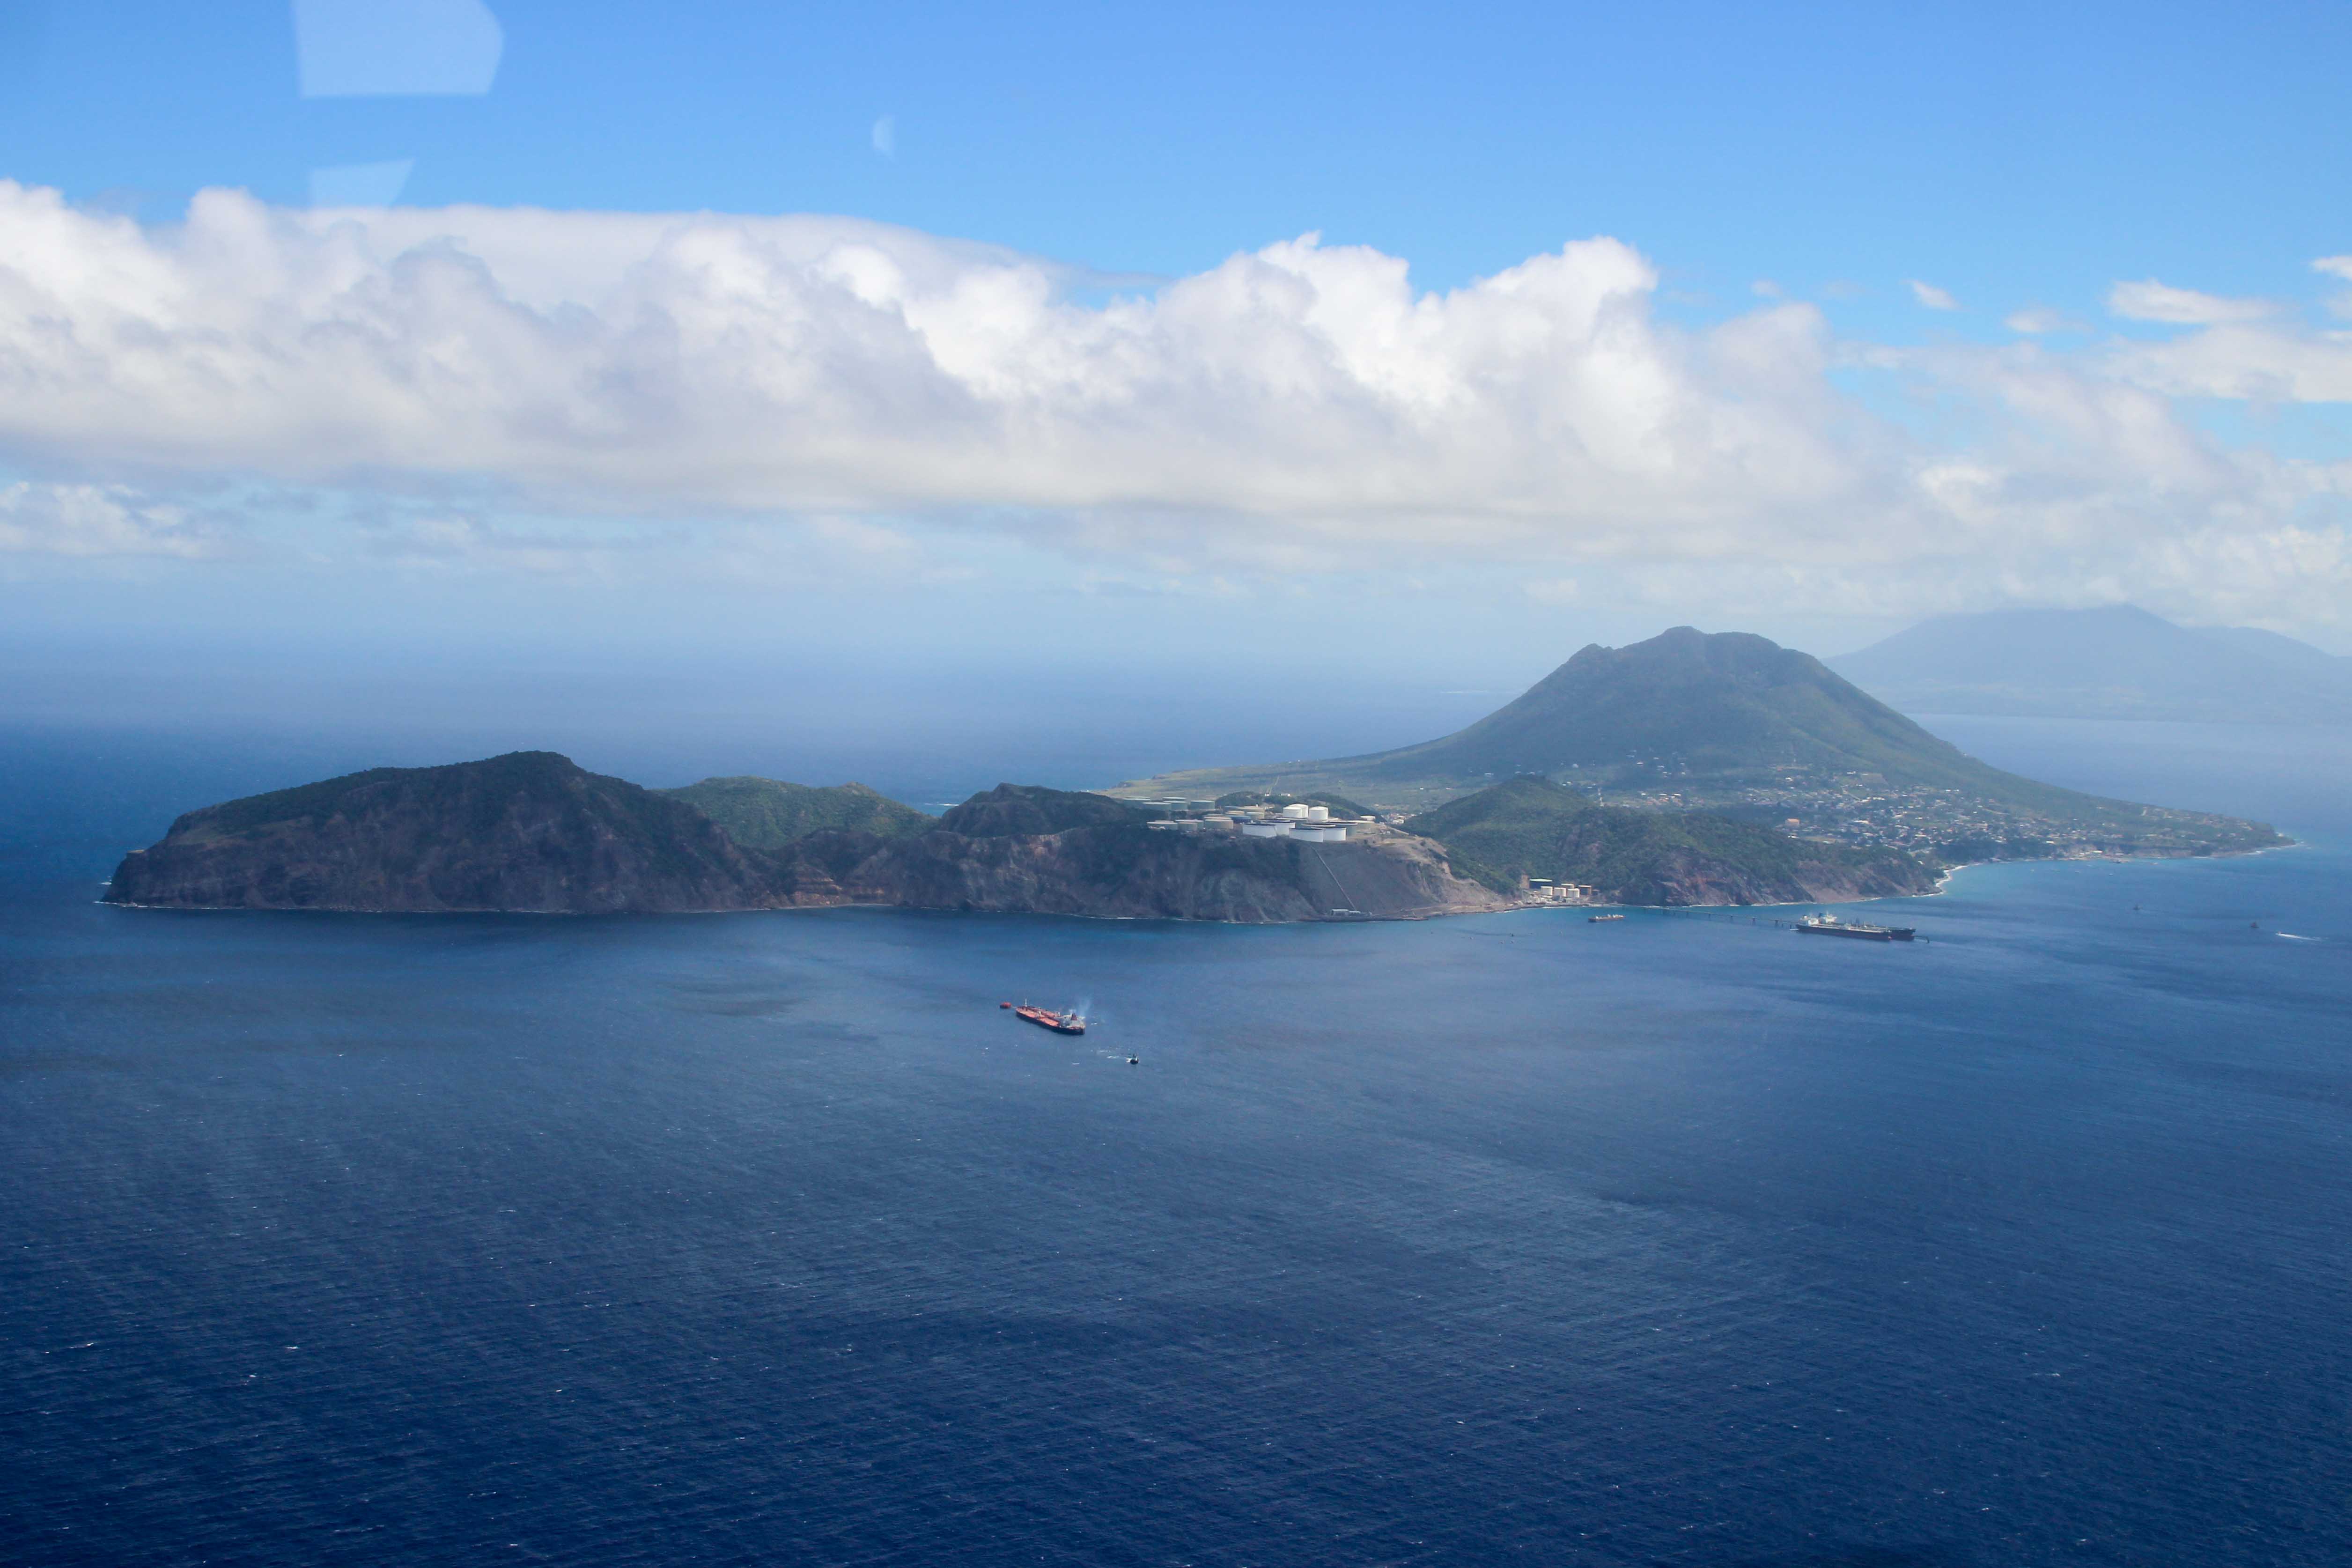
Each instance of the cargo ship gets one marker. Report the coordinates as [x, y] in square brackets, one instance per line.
[1046, 1018]
[1861, 931]
[1597, 919]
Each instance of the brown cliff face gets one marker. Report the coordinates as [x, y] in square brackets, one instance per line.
[1129, 873]
[527, 831]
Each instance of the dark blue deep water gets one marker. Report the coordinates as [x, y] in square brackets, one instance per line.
[771, 1239]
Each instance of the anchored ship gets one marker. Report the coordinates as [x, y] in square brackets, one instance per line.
[1046, 1018]
[1831, 926]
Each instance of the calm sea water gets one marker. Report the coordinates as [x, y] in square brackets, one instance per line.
[770, 1238]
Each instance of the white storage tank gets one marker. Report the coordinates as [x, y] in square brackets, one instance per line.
[1319, 814]
[1295, 813]
[1266, 830]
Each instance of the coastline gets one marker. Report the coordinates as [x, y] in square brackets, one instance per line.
[1943, 885]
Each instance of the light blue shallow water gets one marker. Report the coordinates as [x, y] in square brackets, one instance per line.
[1517, 1239]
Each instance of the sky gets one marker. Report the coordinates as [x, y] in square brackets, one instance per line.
[1408, 345]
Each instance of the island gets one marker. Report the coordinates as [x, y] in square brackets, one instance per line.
[1686, 771]
[1736, 727]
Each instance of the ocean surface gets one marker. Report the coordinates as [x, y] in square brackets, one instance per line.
[340, 1240]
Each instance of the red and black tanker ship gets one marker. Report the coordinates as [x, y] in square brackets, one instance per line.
[1046, 1018]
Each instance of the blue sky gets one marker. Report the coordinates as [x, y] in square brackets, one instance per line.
[1805, 320]
[2011, 154]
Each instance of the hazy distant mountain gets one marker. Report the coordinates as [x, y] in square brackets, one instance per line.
[1685, 705]
[1698, 704]
[2118, 662]
[1736, 724]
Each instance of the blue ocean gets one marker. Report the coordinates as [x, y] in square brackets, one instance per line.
[336, 1239]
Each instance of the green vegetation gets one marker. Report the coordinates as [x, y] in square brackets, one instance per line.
[768, 813]
[529, 830]
[1695, 704]
[1532, 827]
[1736, 723]
[1031, 808]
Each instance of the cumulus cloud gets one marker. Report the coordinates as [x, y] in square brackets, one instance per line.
[1933, 297]
[1293, 408]
[610, 361]
[2149, 300]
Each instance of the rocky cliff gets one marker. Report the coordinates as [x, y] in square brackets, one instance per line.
[1126, 872]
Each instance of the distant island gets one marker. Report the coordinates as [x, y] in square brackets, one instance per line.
[1686, 771]
[2114, 661]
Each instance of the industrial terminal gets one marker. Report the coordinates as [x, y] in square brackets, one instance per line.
[1317, 824]
[1312, 824]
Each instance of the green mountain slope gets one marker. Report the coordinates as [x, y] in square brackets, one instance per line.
[1532, 827]
[1737, 722]
[1012, 810]
[1728, 704]
[527, 831]
[768, 813]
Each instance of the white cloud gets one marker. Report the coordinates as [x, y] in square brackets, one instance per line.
[667, 364]
[96, 520]
[1299, 408]
[1933, 297]
[2242, 348]
[2036, 319]
[2337, 267]
[2268, 363]
[885, 135]
[2149, 300]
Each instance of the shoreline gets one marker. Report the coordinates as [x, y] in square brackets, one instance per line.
[1942, 885]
